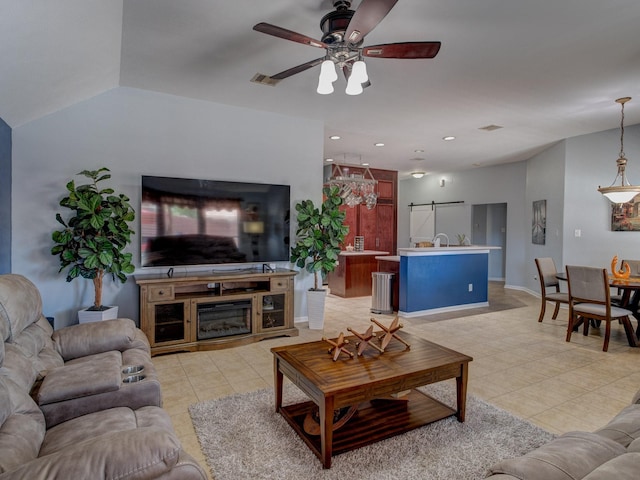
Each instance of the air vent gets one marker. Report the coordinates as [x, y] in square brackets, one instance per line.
[263, 79]
[490, 128]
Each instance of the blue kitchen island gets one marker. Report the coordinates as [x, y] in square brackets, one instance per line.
[443, 279]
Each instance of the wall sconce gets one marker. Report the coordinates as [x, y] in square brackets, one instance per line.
[442, 182]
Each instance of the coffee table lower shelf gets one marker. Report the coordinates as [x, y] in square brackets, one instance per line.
[374, 421]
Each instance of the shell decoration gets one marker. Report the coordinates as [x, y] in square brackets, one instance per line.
[625, 270]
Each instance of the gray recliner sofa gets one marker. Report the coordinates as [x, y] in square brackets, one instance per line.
[69, 407]
[610, 453]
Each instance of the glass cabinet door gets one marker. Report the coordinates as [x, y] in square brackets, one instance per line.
[170, 322]
[272, 311]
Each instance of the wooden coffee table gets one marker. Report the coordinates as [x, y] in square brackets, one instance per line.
[370, 381]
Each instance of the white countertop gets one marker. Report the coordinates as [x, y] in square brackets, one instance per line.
[389, 258]
[452, 250]
[364, 252]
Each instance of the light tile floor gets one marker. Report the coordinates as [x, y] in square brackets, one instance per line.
[519, 365]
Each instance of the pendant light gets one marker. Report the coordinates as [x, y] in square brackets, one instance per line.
[624, 192]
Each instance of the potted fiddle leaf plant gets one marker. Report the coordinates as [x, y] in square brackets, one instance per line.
[93, 239]
[319, 236]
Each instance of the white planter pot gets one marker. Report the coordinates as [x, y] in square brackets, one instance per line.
[86, 316]
[315, 308]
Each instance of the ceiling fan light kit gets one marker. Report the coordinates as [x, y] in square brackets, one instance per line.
[624, 192]
[344, 31]
[328, 75]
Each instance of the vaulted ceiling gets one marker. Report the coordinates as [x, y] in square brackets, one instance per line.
[542, 70]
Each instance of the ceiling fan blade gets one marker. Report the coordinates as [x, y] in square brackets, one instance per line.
[298, 69]
[275, 79]
[287, 34]
[367, 16]
[403, 50]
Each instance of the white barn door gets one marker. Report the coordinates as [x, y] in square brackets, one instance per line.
[422, 224]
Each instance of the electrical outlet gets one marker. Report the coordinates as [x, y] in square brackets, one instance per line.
[471, 287]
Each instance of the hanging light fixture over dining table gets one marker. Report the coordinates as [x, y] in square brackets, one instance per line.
[623, 192]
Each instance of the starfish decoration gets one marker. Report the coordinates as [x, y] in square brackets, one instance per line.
[365, 340]
[390, 332]
[338, 346]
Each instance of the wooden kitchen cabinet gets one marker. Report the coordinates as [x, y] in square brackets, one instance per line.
[379, 225]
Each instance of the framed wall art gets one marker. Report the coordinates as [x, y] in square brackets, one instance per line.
[539, 222]
[625, 216]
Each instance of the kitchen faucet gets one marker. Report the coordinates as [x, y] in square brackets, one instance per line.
[436, 239]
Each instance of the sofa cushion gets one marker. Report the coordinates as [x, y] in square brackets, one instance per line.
[634, 446]
[138, 454]
[20, 305]
[624, 467]
[96, 374]
[80, 429]
[18, 367]
[35, 342]
[624, 428]
[22, 426]
[569, 457]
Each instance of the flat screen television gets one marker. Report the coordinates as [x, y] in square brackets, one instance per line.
[206, 222]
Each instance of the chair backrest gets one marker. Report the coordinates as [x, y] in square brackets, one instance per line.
[634, 266]
[588, 284]
[547, 272]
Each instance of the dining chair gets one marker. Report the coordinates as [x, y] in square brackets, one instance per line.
[590, 299]
[547, 274]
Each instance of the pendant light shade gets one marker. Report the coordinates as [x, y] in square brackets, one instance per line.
[328, 75]
[622, 191]
[357, 78]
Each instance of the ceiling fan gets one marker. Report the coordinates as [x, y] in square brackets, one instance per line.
[343, 32]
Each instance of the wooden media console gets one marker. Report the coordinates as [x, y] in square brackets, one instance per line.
[205, 311]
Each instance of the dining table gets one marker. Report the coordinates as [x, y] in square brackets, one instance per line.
[630, 288]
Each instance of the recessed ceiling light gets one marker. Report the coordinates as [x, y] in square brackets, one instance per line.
[335, 137]
[418, 151]
[449, 138]
[379, 144]
[364, 164]
[328, 159]
[418, 174]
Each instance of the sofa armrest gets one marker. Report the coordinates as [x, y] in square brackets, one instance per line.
[185, 469]
[502, 476]
[138, 454]
[570, 456]
[96, 337]
[623, 467]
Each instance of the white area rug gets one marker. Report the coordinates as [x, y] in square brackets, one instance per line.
[242, 438]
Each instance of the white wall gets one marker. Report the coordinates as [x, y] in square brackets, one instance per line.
[591, 162]
[545, 181]
[135, 132]
[498, 184]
